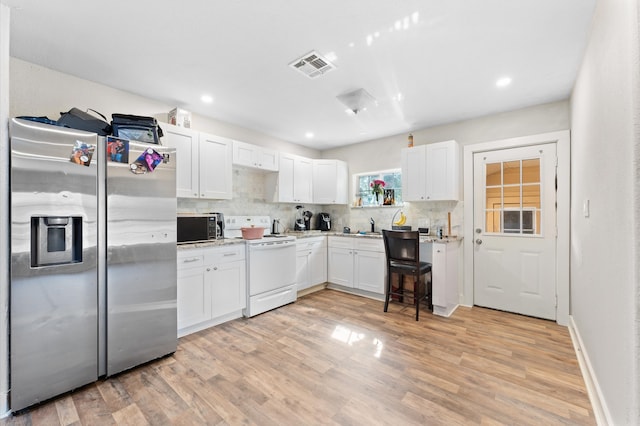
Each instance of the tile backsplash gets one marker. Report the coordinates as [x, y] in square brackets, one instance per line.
[249, 199]
[431, 214]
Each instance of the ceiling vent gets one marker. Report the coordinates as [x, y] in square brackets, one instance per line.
[312, 65]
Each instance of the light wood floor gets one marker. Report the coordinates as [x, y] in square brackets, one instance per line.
[334, 358]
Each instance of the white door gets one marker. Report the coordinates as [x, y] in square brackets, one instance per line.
[515, 230]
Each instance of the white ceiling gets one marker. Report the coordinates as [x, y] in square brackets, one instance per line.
[442, 56]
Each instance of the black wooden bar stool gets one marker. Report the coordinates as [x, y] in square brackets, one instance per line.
[403, 258]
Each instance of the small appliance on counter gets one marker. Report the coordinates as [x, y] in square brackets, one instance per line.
[200, 227]
[299, 224]
[307, 219]
[324, 222]
[276, 227]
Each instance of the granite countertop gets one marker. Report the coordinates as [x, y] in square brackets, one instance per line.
[315, 233]
[307, 234]
[210, 243]
[424, 238]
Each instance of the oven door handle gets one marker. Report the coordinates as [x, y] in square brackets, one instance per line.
[270, 246]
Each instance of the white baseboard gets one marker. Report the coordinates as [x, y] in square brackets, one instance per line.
[444, 311]
[600, 409]
[4, 405]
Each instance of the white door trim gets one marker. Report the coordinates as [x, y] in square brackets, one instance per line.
[563, 147]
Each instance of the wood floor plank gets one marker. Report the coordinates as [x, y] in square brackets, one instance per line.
[130, 416]
[66, 409]
[338, 359]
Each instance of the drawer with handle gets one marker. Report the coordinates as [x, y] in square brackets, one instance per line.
[190, 259]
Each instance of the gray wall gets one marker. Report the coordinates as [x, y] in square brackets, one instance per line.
[36, 90]
[5, 251]
[605, 123]
[383, 154]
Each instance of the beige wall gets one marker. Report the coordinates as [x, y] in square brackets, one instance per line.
[384, 153]
[36, 91]
[5, 250]
[605, 151]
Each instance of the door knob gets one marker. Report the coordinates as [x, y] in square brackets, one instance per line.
[478, 241]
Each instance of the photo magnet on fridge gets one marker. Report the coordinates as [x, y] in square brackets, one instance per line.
[147, 161]
[117, 150]
[82, 153]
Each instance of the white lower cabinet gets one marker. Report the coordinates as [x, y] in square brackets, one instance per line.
[369, 270]
[193, 293]
[443, 257]
[357, 262]
[311, 262]
[211, 286]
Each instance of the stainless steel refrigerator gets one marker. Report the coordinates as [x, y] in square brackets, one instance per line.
[93, 258]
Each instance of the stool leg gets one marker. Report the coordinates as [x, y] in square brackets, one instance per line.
[401, 288]
[387, 292]
[430, 290]
[416, 294]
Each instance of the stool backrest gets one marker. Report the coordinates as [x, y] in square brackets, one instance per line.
[402, 246]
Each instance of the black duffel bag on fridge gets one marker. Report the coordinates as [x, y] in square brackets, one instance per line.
[136, 127]
[78, 119]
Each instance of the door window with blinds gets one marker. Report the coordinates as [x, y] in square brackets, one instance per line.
[513, 199]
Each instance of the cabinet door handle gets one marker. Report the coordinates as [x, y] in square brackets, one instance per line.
[215, 268]
[195, 259]
[208, 269]
[229, 254]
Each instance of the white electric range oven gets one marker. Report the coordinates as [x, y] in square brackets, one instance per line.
[271, 265]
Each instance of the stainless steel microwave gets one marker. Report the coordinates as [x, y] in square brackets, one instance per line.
[192, 228]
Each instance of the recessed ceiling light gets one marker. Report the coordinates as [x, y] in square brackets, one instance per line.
[503, 82]
[207, 99]
[309, 135]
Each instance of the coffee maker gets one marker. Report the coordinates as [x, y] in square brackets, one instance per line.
[324, 222]
[307, 219]
[299, 224]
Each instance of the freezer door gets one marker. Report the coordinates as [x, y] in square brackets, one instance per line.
[141, 260]
[53, 296]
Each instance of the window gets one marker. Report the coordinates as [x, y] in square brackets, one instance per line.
[513, 202]
[391, 192]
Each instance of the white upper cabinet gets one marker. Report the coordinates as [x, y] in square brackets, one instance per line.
[215, 167]
[330, 182]
[204, 163]
[431, 172]
[248, 155]
[293, 182]
[443, 160]
[186, 143]
[414, 173]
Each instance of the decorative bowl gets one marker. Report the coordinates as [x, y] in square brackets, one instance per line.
[252, 233]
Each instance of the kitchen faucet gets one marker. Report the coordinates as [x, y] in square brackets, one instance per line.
[373, 224]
